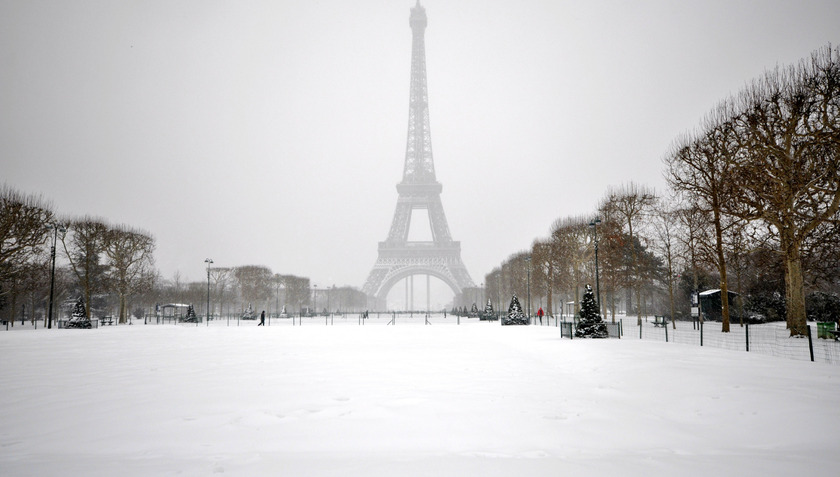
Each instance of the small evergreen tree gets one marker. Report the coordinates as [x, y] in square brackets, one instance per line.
[190, 318]
[249, 313]
[591, 325]
[515, 315]
[79, 310]
[79, 319]
[488, 313]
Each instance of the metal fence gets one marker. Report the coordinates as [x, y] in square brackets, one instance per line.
[771, 339]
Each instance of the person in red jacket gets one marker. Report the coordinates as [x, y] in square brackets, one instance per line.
[540, 314]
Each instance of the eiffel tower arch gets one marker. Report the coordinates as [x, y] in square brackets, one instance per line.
[399, 258]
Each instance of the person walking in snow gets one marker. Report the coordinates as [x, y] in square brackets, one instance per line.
[540, 314]
[262, 318]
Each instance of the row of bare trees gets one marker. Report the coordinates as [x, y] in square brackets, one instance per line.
[102, 258]
[755, 194]
[112, 268]
[234, 289]
[557, 268]
[764, 168]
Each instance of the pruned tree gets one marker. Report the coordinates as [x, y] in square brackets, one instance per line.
[23, 228]
[24, 221]
[789, 168]
[665, 227]
[701, 168]
[613, 260]
[222, 280]
[542, 272]
[131, 261]
[629, 203]
[821, 256]
[694, 234]
[297, 290]
[87, 243]
[573, 253]
[255, 283]
[493, 284]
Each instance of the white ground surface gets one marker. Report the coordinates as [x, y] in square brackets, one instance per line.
[475, 399]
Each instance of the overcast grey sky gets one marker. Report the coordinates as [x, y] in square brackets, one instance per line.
[273, 132]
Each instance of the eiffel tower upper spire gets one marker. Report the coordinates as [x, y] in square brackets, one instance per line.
[419, 163]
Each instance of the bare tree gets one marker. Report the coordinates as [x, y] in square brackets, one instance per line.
[821, 256]
[255, 283]
[789, 171]
[701, 169]
[692, 237]
[665, 225]
[87, 246]
[23, 230]
[129, 253]
[738, 244]
[572, 254]
[297, 290]
[222, 279]
[629, 203]
[542, 272]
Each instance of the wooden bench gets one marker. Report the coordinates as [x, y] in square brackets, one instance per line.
[836, 334]
[659, 321]
[106, 320]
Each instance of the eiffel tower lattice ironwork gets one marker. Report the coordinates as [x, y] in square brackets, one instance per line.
[398, 257]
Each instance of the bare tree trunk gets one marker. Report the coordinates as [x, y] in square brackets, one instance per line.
[671, 301]
[122, 309]
[795, 290]
[550, 286]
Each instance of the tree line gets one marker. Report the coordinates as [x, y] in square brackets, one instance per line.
[752, 208]
[112, 268]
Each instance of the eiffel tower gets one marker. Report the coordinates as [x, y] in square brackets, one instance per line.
[400, 258]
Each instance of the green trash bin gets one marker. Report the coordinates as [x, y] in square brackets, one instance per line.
[824, 328]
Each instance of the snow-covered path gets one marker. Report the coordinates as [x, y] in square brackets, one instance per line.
[476, 399]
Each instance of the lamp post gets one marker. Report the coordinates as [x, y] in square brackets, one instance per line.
[528, 261]
[208, 262]
[500, 294]
[482, 293]
[329, 306]
[594, 225]
[315, 300]
[55, 228]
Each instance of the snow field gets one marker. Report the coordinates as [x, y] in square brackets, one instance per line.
[404, 400]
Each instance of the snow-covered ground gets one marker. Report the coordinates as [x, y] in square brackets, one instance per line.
[475, 399]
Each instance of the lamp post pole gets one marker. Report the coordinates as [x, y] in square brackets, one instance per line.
[483, 293]
[594, 225]
[500, 294]
[55, 228]
[315, 300]
[208, 262]
[528, 260]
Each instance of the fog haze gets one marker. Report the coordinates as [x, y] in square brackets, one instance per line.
[273, 132]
